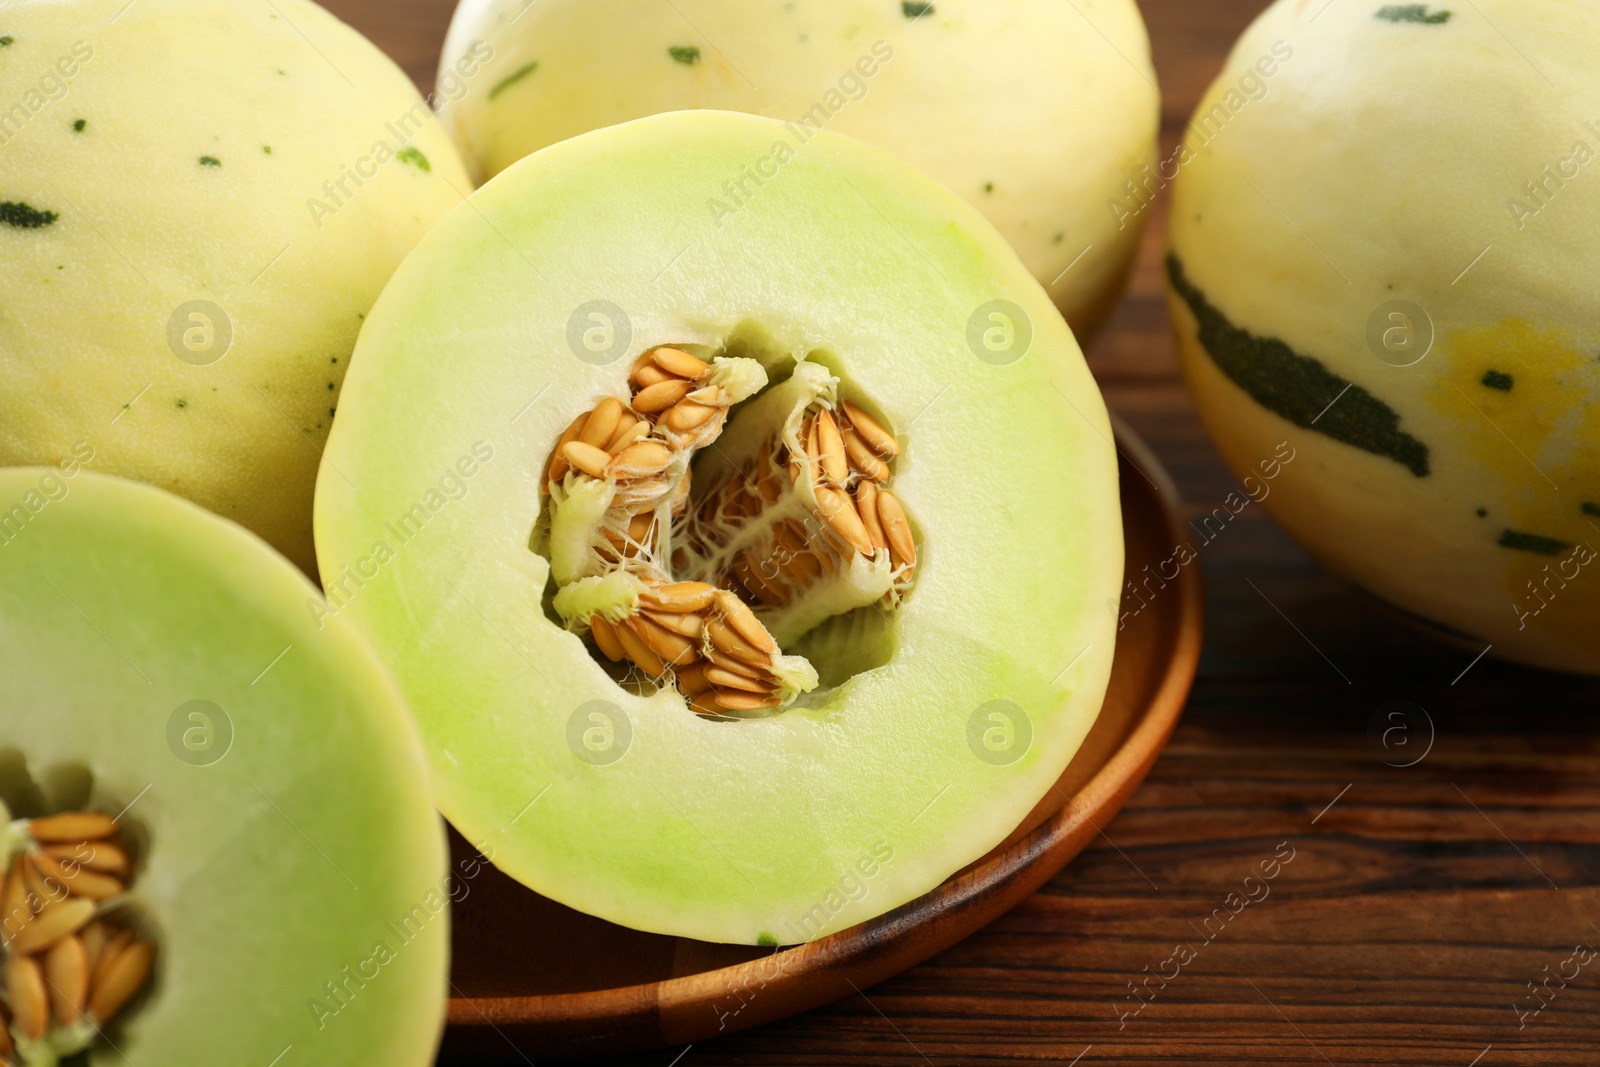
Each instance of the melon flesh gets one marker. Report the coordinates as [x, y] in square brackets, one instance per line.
[307, 854]
[246, 170]
[866, 792]
[1042, 115]
[1423, 159]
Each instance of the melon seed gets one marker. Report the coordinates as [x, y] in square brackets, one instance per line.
[14, 899]
[25, 993]
[93, 938]
[681, 596]
[602, 423]
[678, 362]
[605, 636]
[78, 880]
[840, 512]
[862, 457]
[725, 638]
[649, 375]
[732, 700]
[102, 856]
[867, 505]
[830, 446]
[66, 972]
[639, 652]
[660, 397]
[726, 679]
[41, 890]
[692, 680]
[684, 624]
[896, 528]
[673, 649]
[630, 432]
[688, 415]
[72, 826]
[872, 431]
[558, 463]
[121, 980]
[50, 925]
[745, 624]
[587, 458]
[640, 459]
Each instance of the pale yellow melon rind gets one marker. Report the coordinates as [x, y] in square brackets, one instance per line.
[1041, 115]
[1393, 197]
[244, 156]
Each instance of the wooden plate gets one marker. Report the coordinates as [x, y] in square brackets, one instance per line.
[534, 980]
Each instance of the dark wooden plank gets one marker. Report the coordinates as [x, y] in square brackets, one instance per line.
[1417, 909]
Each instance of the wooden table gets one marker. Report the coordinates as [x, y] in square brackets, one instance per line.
[1422, 904]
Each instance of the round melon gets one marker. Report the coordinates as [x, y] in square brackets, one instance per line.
[274, 840]
[1042, 115]
[200, 202]
[1386, 257]
[746, 581]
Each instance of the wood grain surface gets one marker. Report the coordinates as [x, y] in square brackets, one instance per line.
[1427, 910]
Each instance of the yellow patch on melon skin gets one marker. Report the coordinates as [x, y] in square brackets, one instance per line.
[1549, 418]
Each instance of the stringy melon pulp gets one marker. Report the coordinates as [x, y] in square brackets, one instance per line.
[668, 521]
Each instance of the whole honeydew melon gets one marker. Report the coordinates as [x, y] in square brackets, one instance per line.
[286, 865]
[199, 200]
[932, 684]
[1389, 259]
[1040, 114]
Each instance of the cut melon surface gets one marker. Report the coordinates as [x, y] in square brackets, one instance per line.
[937, 718]
[161, 665]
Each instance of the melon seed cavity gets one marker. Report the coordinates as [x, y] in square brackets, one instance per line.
[69, 966]
[792, 521]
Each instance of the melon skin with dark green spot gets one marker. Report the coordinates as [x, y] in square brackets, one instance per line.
[1042, 115]
[1385, 263]
[288, 844]
[152, 248]
[869, 790]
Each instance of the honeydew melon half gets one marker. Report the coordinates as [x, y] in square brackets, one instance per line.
[199, 200]
[160, 665]
[938, 712]
[1407, 296]
[1042, 115]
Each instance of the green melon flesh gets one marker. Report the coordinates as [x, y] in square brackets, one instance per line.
[864, 794]
[280, 867]
[1041, 114]
[264, 158]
